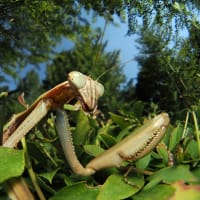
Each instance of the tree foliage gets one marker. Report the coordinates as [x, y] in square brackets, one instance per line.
[169, 77]
[31, 29]
[161, 14]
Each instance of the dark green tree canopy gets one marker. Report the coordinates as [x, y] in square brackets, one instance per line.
[29, 30]
[169, 77]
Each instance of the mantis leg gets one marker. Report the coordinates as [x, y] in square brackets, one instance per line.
[31, 120]
[18, 190]
[63, 129]
[133, 147]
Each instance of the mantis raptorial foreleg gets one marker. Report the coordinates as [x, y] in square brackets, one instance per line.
[133, 147]
[136, 145]
[63, 129]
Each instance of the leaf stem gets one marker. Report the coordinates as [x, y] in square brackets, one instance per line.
[185, 126]
[196, 130]
[31, 172]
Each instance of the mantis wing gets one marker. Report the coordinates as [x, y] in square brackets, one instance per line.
[33, 118]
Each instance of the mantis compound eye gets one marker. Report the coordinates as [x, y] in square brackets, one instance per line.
[87, 90]
[77, 79]
[100, 89]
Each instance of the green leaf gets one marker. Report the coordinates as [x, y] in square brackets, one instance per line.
[45, 186]
[82, 128]
[3, 94]
[196, 172]
[49, 175]
[12, 163]
[123, 133]
[93, 150]
[177, 6]
[116, 188]
[163, 152]
[192, 149]
[159, 192]
[170, 175]
[107, 139]
[36, 152]
[78, 191]
[175, 137]
[143, 162]
[119, 120]
[70, 107]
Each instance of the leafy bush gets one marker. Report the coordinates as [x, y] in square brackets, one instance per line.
[174, 162]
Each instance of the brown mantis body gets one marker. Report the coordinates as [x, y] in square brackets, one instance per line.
[86, 91]
[21, 123]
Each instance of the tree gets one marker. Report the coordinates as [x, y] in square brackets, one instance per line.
[31, 29]
[167, 77]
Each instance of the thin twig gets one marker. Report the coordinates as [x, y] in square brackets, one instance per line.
[31, 172]
[196, 130]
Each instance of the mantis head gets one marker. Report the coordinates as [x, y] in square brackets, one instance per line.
[88, 90]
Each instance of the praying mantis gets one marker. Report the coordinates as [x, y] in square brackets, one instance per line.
[83, 88]
[87, 91]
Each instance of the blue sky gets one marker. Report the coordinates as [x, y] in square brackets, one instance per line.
[117, 38]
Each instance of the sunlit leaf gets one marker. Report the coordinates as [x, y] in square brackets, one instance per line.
[12, 163]
[48, 175]
[163, 192]
[116, 188]
[82, 128]
[175, 137]
[93, 150]
[70, 107]
[119, 120]
[78, 191]
[170, 175]
[184, 191]
[177, 6]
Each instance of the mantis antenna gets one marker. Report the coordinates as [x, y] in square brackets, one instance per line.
[110, 69]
